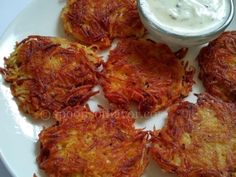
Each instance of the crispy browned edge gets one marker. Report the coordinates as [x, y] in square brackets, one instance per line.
[113, 19]
[31, 100]
[181, 120]
[217, 66]
[81, 119]
[146, 100]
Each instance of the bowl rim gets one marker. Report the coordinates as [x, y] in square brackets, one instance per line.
[213, 32]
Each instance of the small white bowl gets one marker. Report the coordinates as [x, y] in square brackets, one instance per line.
[164, 35]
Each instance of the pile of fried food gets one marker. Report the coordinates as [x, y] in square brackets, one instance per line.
[53, 78]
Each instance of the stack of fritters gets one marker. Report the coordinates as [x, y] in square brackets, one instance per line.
[218, 67]
[146, 73]
[198, 140]
[48, 74]
[97, 22]
[86, 144]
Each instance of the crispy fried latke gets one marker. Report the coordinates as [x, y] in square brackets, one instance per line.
[198, 140]
[48, 74]
[218, 67]
[97, 22]
[147, 73]
[87, 144]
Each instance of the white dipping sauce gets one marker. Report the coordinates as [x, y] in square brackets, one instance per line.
[187, 16]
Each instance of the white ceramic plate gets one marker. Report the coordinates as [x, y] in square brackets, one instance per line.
[19, 134]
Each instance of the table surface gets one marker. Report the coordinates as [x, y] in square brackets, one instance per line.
[9, 9]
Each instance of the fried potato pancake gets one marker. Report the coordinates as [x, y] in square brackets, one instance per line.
[48, 74]
[218, 67]
[146, 73]
[87, 144]
[97, 22]
[198, 140]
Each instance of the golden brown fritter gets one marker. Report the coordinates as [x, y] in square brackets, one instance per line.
[218, 67]
[146, 73]
[198, 140]
[97, 22]
[48, 74]
[87, 144]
